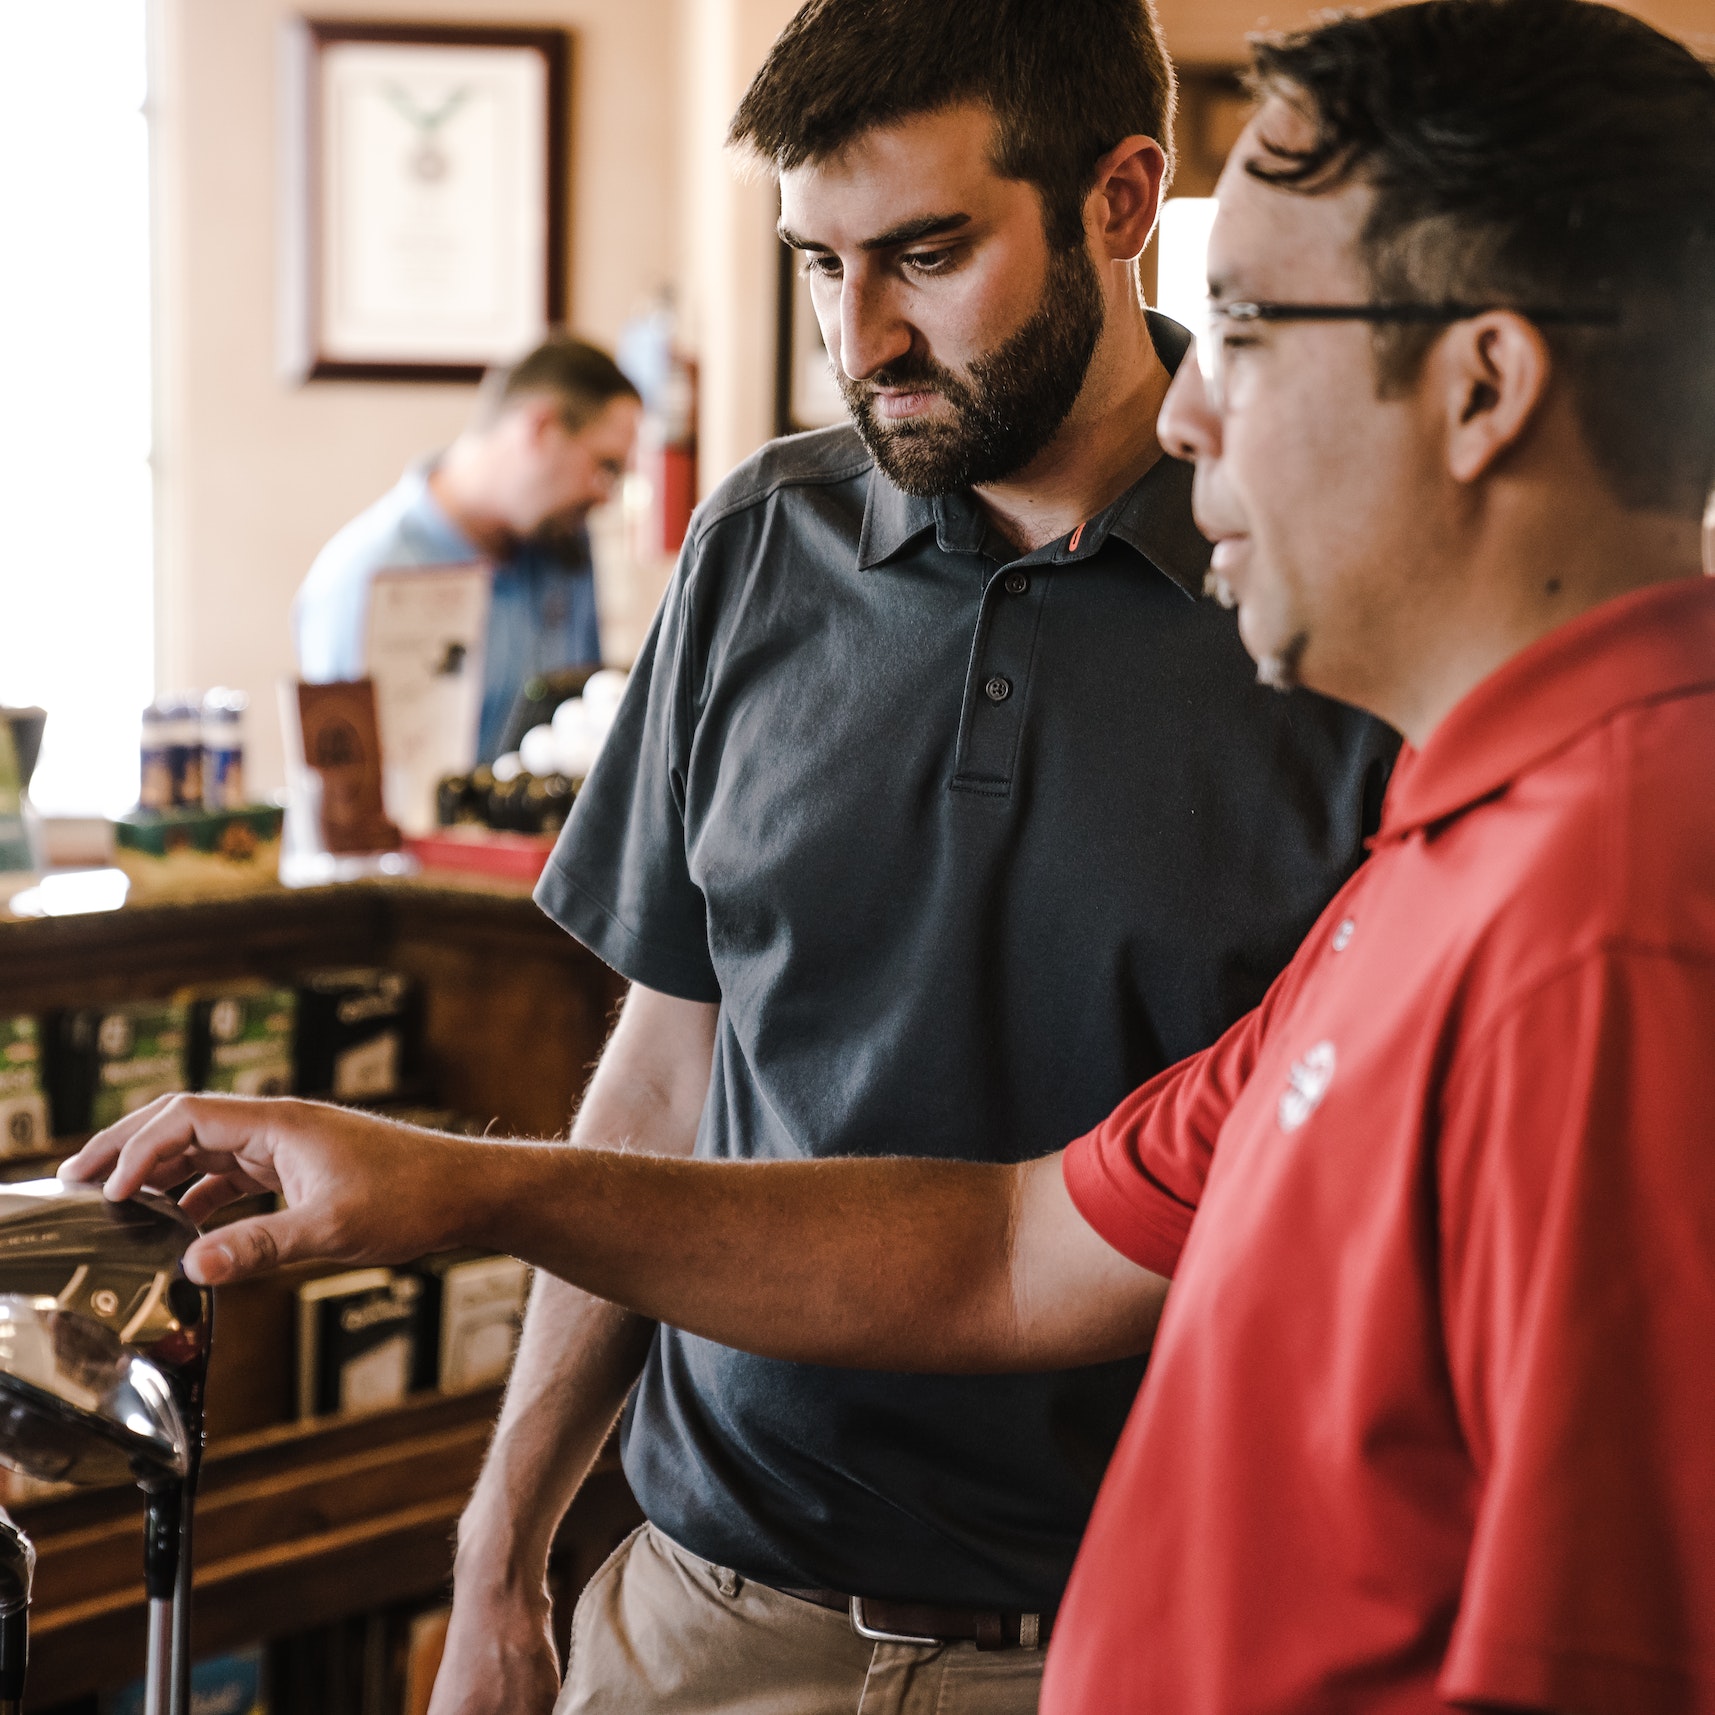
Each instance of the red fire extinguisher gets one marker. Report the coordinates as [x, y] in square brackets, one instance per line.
[674, 477]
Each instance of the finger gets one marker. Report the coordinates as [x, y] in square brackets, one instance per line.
[214, 1192]
[255, 1246]
[189, 1134]
[95, 1160]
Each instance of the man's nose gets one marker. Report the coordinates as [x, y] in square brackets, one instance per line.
[872, 332]
[1189, 426]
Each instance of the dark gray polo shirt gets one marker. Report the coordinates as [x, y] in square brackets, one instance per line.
[966, 846]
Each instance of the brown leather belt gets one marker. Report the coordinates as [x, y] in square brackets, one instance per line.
[923, 1623]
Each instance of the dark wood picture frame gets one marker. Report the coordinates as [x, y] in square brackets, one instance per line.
[304, 198]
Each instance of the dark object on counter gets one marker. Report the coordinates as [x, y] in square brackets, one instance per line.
[358, 1033]
[106, 1063]
[461, 800]
[525, 804]
[538, 700]
[357, 1341]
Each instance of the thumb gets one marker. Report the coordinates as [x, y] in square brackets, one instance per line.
[251, 1247]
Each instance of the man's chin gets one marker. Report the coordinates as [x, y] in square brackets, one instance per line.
[1282, 669]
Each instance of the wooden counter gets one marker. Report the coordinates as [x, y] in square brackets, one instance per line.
[301, 1524]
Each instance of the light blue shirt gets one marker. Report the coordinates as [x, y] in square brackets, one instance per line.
[542, 616]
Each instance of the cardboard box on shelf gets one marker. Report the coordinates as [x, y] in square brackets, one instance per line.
[357, 1341]
[357, 1033]
[242, 1040]
[106, 1063]
[23, 1089]
[472, 1309]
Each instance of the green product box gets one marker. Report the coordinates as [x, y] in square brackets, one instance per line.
[242, 1041]
[111, 1062]
[23, 1096]
[188, 853]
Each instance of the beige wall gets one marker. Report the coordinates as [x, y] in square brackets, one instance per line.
[254, 473]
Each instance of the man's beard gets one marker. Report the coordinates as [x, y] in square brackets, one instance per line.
[1006, 409]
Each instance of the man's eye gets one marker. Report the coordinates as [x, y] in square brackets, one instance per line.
[816, 263]
[928, 261]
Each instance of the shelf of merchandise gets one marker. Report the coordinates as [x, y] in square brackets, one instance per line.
[301, 1524]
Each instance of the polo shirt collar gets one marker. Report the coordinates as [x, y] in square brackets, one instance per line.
[1642, 647]
[1153, 517]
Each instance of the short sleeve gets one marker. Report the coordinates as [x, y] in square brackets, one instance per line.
[619, 879]
[1577, 1177]
[1139, 1176]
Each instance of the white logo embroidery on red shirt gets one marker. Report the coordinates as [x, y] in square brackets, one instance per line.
[1306, 1085]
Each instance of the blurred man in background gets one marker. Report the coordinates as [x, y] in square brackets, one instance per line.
[551, 440]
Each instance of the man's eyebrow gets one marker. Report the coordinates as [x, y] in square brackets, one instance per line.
[907, 232]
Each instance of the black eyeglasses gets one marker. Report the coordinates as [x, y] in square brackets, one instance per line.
[1211, 347]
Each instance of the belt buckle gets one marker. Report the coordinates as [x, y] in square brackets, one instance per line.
[864, 1630]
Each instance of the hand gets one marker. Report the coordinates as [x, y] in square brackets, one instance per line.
[357, 1188]
[500, 1657]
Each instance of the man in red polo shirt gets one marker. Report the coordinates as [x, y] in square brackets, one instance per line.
[1430, 1418]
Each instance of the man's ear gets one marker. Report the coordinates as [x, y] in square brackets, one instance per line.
[1495, 370]
[1126, 197]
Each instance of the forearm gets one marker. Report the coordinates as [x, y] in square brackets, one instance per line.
[576, 1362]
[882, 1264]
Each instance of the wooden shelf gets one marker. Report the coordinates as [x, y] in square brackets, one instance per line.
[302, 1524]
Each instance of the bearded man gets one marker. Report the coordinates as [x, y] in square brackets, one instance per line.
[940, 808]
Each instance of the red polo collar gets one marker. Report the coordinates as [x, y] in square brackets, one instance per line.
[1654, 643]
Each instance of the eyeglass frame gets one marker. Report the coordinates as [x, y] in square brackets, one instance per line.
[1244, 310]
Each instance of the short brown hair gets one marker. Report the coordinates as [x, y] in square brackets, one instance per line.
[580, 377]
[1067, 80]
[1552, 154]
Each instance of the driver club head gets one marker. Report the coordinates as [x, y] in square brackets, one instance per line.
[17, 1566]
[103, 1339]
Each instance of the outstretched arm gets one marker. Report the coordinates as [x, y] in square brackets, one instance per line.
[828, 1262]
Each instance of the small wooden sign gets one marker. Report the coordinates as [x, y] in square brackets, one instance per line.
[341, 752]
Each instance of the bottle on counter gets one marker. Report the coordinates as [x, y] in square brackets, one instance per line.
[223, 749]
[156, 791]
[172, 755]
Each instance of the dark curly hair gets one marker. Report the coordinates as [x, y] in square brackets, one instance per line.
[1536, 152]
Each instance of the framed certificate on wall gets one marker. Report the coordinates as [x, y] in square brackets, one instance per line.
[426, 197]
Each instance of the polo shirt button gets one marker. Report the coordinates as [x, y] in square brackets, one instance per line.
[1343, 935]
[997, 690]
[1017, 584]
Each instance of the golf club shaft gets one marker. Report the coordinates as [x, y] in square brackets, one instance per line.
[157, 1683]
[181, 1646]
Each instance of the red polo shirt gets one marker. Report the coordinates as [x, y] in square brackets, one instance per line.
[1431, 1416]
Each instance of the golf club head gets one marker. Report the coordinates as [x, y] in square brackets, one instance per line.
[103, 1339]
[17, 1566]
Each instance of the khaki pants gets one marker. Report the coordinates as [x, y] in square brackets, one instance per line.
[660, 1632]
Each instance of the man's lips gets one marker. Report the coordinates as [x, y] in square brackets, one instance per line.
[898, 404]
[1229, 550]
